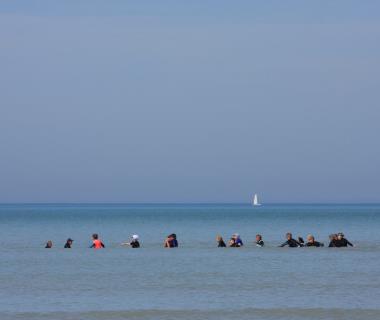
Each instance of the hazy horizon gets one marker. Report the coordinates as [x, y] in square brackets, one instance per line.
[189, 102]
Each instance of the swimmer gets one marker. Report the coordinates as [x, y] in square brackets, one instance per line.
[221, 243]
[96, 243]
[290, 242]
[68, 243]
[171, 241]
[238, 241]
[134, 243]
[49, 244]
[232, 243]
[312, 243]
[259, 241]
[342, 241]
[333, 238]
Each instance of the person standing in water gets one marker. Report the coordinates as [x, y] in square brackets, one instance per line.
[96, 243]
[68, 243]
[290, 242]
[238, 241]
[134, 243]
[341, 241]
[171, 241]
[259, 241]
[312, 243]
[333, 238]
[221, 243]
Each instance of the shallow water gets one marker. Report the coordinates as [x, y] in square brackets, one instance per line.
[197, 280]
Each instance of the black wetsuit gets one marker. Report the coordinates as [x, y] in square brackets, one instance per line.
[332, 243]
[291, 243]
[314, 244]
[135, 244]
[260, 243]
[221, 244]
[67, 245]
[342, 243]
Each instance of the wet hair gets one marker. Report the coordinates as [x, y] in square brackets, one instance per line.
[259, 235]
[288, 234]
[95, 236]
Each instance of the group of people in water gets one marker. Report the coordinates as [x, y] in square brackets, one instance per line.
[336, 240]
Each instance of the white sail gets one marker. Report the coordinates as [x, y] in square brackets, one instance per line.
[255, 200]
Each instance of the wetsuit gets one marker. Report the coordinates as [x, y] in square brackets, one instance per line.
[238, 242]
[332, 243]
[314, 244]
[260, 243]
[291, 243]
[343, 243]
[67, 245]
[221, 244]
[135, 244]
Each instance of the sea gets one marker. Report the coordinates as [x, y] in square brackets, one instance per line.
[197, 280]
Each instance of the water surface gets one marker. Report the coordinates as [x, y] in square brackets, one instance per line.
[197, 280]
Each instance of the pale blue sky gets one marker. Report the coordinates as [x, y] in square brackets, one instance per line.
[189, 101]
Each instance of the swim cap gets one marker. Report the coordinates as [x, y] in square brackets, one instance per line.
[135, 237]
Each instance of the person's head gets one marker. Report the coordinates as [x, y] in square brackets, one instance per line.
[219, 238]
[95, 236]
[232, 240]
[172, 236]
[310, 238]
[135, 237]
[258, 237]
[289, 236]
[49, 244]
[69, 240]
[340, 236]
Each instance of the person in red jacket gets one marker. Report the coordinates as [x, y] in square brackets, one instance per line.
[96, 242]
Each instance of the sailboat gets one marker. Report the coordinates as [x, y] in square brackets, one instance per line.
[255, 202]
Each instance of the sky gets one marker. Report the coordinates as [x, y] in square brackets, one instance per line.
[189, 101]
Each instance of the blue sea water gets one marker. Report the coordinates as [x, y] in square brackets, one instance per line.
[196, 280]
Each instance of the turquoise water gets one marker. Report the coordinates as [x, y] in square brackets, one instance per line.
[197, 280]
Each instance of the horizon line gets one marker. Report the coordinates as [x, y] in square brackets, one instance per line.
[188, 203]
